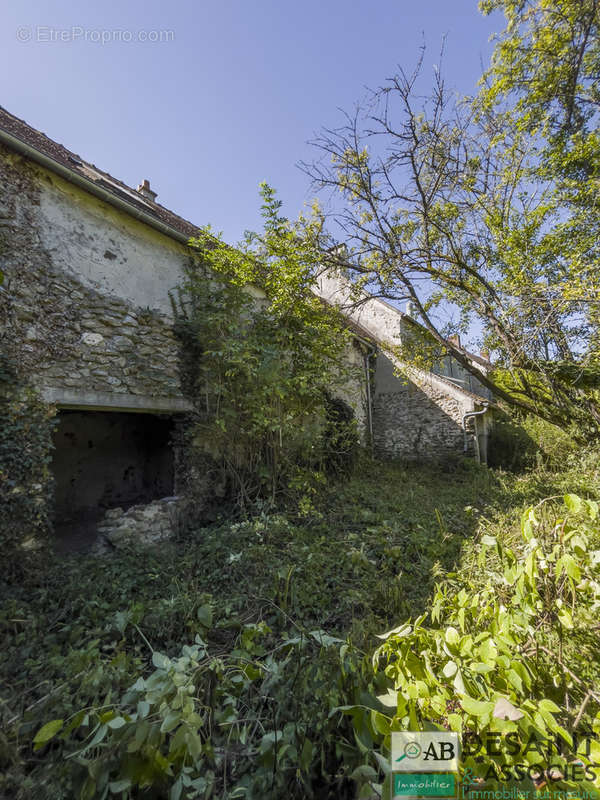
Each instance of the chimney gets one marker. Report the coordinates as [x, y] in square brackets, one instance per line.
[454, 339]
[410, 309]
[145, 190]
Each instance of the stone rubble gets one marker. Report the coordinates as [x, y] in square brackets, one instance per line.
[144, 525]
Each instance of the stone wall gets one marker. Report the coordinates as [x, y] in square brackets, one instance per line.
[390, 326]
[84, 313]
[412, 424]
[85, 318]
[353, 390]
[419, 416]
[74, 340]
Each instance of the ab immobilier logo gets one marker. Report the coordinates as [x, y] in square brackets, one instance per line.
[424, 764]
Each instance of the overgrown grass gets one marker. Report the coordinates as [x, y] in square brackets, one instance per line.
[79, 629]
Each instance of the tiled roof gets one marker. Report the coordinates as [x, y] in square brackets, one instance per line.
[78, 166]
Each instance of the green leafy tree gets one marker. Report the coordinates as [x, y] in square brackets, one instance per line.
[484, 212]
[261, 355]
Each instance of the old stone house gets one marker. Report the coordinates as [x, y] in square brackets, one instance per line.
[88, 264]
[416, 414]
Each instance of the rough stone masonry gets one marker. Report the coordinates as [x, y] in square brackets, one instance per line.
[82, 336]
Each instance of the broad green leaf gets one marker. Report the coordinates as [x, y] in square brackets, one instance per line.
[143, 707]
[171, 721]
[99, 736]
[455, 722]
[488, 652]
[449, 669]
[592, 507]
[204, 615]
[480, 667]
[176, 789]
[389, 699]
[504, 709]
[452, 636]
[119, 786]
[88, 790]
[306, 755]
[515, 680]
[573, 503]
[364, 773]
[380, 723]
[550, 706]
[160, 660]
[400, 632]
[116, 723]
[477, 708]
[47, 732]
[565, 619]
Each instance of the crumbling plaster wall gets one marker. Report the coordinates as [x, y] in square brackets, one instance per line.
[353, 390]
[85, 295]
[106, 250]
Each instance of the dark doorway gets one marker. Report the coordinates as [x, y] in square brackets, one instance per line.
[104, 459]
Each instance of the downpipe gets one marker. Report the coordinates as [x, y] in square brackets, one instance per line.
[467, 416]
[369, 351]
[367, 366]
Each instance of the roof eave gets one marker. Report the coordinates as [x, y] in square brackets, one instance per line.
[87, 185]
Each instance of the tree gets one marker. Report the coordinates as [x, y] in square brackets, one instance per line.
[262, 355]
[484, 211]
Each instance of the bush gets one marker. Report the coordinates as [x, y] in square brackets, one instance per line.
[510, 445]
[509, 648]
[555, 447]
[259, 352]
[520, 443]
[249, 724]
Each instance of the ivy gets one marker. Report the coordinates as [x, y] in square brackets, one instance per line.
[25, 479]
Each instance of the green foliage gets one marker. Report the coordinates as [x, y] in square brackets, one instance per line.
[510, 446]
[79, 633]
[520, 443]
[25, 478]
[76, 631]
[543, 82]
[260, 355]
[506, 649]
[549, 59]
[208, 725]
[555, 448]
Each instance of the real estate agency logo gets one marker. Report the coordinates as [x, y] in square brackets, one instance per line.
[429, 751]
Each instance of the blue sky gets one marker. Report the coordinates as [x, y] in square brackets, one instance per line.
[231, 95]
